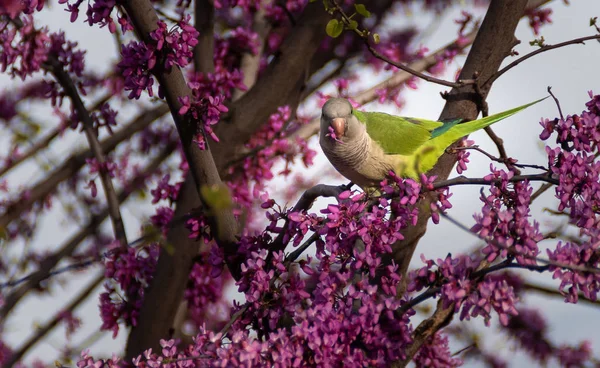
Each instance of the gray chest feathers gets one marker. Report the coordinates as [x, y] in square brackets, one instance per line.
[360, 160]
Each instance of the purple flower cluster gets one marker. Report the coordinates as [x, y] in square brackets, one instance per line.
[166, 191]
[529, 329]
[130, 270]
[435, 353]
[171, 47]
[175, 46]
[538, 17]
[106, 118]
[230, 47]
[504, 219]
[457, 284]
[463, 155]
[570, 356]
[71, 322]
[278, 13]
[221, 82]
[161, 220]
[321, 312]
[137, 61]
[575, 166]
[206, 110]
[571, 260]
[268, 145]
[204, 294]
[24, 49]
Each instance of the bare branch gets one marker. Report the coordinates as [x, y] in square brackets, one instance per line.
[51, 261]
[544, 48]
[74, 163]
[205, 23]
[88, 125]
[541, 190]
[250, 63]
[364, 34]
[557, 103]
[556, 293]
[45, 329]
[44, 142]
[303, 204]
[414, 72]
[201, 162]
[463, 180]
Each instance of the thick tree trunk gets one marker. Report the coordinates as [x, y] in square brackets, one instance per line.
[493, 43]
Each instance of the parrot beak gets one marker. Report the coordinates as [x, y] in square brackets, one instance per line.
[339, 126]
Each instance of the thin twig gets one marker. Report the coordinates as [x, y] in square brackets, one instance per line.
[540, 191]
[513, 252]
[303, 204]
[298, 252]
[88, 124]
[463, 180]
[507, 161]
[44, 142]
[46, 266]
[44, 330]
[73, 163]
[365, 36]
[544, 48]
[557, 103]
[556, 293]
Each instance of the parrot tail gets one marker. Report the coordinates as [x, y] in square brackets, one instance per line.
[456, 131]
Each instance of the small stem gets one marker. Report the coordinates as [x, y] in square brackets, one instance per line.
[557, 103]
[544, 48]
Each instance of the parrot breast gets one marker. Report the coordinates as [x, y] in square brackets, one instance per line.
[360, 160]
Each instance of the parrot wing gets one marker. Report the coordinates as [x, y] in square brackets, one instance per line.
[397, 135]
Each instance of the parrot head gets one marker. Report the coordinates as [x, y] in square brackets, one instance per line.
[337, 115]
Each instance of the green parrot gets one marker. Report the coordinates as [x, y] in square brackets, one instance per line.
[365, 146]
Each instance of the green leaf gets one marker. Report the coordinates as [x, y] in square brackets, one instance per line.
[376, 38]
[362, 10]
[538, 42]
[334, 28]
[217, 197]
[593, 21]
[353, 25]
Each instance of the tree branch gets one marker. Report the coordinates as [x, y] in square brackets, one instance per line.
[88, 125]
[303, 204]
[463, 180]
[44, 142]
[280, 84]
[201, 162]
[66, 250]
[250, 64]
[555, 293]
[544, 48]
[44, 330]
[74, 163]
[492, 44]
[204, 12]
